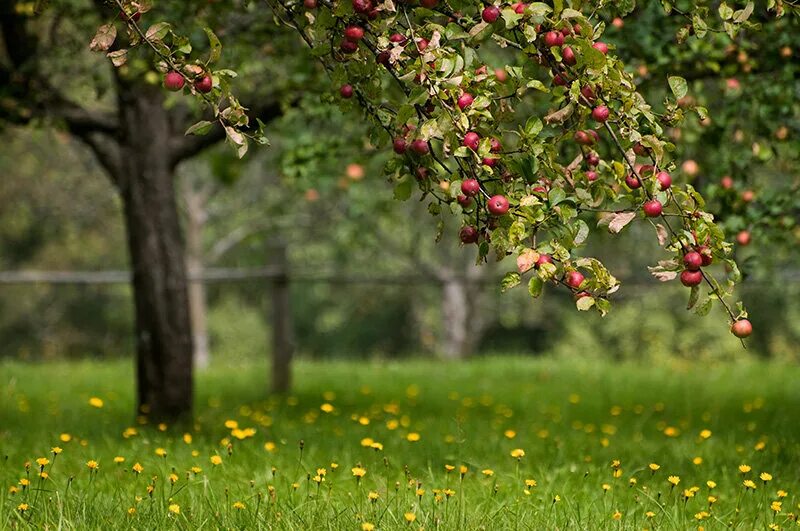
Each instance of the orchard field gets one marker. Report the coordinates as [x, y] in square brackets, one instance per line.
[493, 443]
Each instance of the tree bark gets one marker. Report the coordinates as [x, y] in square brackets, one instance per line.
[163, 325]
[461, 320]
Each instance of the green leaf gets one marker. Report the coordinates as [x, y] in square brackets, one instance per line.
[725, 12]
[584, 303]
[535, 285]
[509, 281]
[556, 196]
[678, 86]
[216, 46]
[200, 128]
[157, 31]
[742, 15]
[694, 295]
[403, 189]
[533, 126]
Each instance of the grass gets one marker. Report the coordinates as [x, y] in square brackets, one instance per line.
[587, 429]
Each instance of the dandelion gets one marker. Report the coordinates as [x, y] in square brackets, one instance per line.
[518, 453]
[776, 506]
[239, 506]
[420, 493]
[509, 434]
[632, 482]
[196, 470]
[96, 402]
[373, 496]
[22, 507]
[187, 438]
[270, 446]
[366, 526]
[119, 459]
[530, 483]
[410, 517]
[765, 476]
[711, 484]
[92, 464]
[131, 510]
[556, 498]
[712, 500]
[358, 472]
[137, 468]
[705, 434]
[413, 437]
[649, 514]
[216, 460]
[56, 450]
[449, 468]
[175, 508]
[782, 494]
[488, 472]
[702, 515]
[160, 452]
[65, 437]
[653, 467]
[327, 408]
[44, 475]
[697, 460]
[760, 445]
[606, 487]
[231, 424]
[687, 494]
[744, 469]
[462, 470]
[617, 515]
[749, 484]
[674, 480]
[173, 478]
[42, 462]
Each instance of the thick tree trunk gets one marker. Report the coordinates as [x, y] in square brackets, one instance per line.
[196, 216]
[163, 326]
[461, 322]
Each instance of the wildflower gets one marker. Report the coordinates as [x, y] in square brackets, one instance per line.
[65, 437]
[137, 468]
[239, 506]
[56, 450]
[697, 460]
[488, 472]
[367, 442]
[44, 475]
[744, 469]
[42, 462]
[130, 432]
[119, 459]
[318, 479]
[13, 489]
[712, 500]
[160, 452]
[413, 437]
[410, 517]
[449, 468]
[530, 483]
[617, 515]
[615, 464]
[556, 498]
[196, 470]
[606, 487]
[131, 510]
[373, 496]
[392, 424]
[509, 434]
[463, 470]
[705, 434]
[518, 453]
[173, 478]
[749, 484]
[632, 482]
[687, 494]
[216, 460]
[776, 506]
[364, 421]
[187, 438]
[358, 472]
[653, 467]
[22, 507]
[782, 494]
[92, 464]
[765, 476]
[96, 402]
[674, 480]
[175, 508]
[449, 492]
[702, 515]
[649, 514]
[327, 408]
[270, 446]
[334, 466]
[671, 431]
[420, 493]
[711, 484]
[366, 526]
[760, 445]
[617, 473]
[231, 424]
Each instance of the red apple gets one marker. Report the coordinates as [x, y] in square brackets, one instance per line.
[346, 91]
[691, 278]
[173, 81]
[600, 113]
[664, 180]
[652, 208]
[574, 279]
[490, 14]
[470, 187]
[569, 56]
[632, 181]
[354, 33]
[420, 147]
[601, 47]
[692, 260]
[743, 238]
[471, 140]
[468, 234]
[465, 100]
[399, 145]
[498, 205]
[204, 84]
[742, 328]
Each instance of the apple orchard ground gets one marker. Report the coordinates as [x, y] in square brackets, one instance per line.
[671, 447]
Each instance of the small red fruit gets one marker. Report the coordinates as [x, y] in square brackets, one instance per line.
[348, 47]
[574, 279]
[362, 6]
[640, 150]
[632, 181]
[468, 234]
[705, 254]
[748, 196]
[652, 208]
[471, 140]
[519, 8]
[559, 81]
[743, 238]
[346, 91]
[544, 259]
[398, 38]
[420, 147]
[691, 278]
[588, 93]
[593, 159]
[430, 4]
[496, 146]
[490, 14]
[600, 113]
[421, 173]
[726, 182]
[601, 47]
[204, 84]
[465, 100]
[553, 38]
[692, 260]
[569, 56]
[742, 328]
[173, 81]
[489, 161]
[399, 145]
[463, 200]
[591, 175]
[354, 33]
[310, 4]
[664, 180]
[470, 187]
[498, 205]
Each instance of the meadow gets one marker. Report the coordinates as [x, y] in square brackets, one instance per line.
[493, 443]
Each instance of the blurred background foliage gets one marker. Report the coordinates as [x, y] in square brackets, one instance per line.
[368, 278]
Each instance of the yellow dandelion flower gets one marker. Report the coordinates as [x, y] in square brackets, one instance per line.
[22, 507]
[364, 421]
[617, 515]
[413, 437]
[530, 483]
[44, 475]
[231, 424]
[488, 472]
[160, 452]
[327, 408]
[216, 460]
[711, 484]
[617, 473]
[196, 470]
[463, 470]
[712, 500]
[334, 466]
[649, 514]
[24, 482]
[449, 468]
[688, 493]
[510, 434]
[653, 466]
[518, 453]
[43, 462]
[632, 482]
[744, 469]
[366, 526]
[376, 446]
[671, 431]
[119, 459]
[56, 450]
[765, 476]
[65, 437]
[173, 478]
[366, 442]
[175, 508]
[410, 517]
[96, 402]
[358, 472]
[239, 506]
[92, 464]
[270, 446]
[782, 494]
[187, 438]
[702, 515]
[606, 487]
[760, 445]
[697, 460]
[131, 510]
[776, 506]
[420, 493]
[749, 484]
[556, 498]
[705, 434]
[137, 468]
[392, 424]
[674, 480]
[322, 472]
[373, 496]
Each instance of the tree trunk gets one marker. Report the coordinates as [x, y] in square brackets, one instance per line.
[163, 326]
[282, 341]
[461, 320]
[196, 216]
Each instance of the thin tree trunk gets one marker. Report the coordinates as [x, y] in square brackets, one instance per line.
[455, 318]
[163, 326]
[195, 222]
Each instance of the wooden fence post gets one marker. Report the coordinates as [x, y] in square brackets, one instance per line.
[282, 337]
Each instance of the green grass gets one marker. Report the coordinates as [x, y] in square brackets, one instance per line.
[572, 419]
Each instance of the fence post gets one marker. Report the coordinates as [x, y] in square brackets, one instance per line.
[282, 340]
